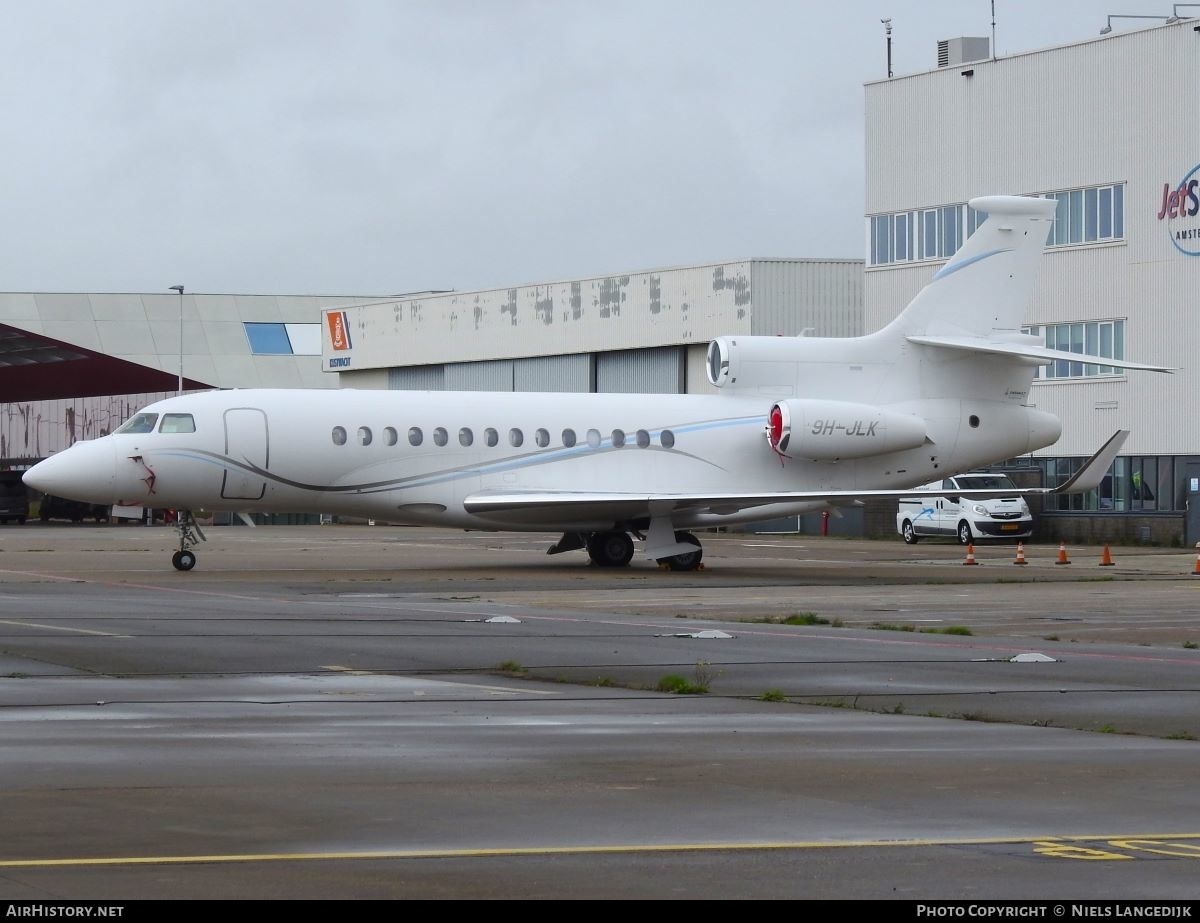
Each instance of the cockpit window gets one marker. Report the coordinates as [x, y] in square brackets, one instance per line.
[177, 423]
[139, 423]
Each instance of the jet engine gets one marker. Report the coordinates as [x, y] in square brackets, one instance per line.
[833, 430]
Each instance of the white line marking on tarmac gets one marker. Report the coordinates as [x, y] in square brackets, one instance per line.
[499, 690]
[82, 631]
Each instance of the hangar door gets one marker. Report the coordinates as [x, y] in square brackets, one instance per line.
[246, 447]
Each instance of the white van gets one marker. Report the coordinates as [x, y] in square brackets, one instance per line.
[939, 511]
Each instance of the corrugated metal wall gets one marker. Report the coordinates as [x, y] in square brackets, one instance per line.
[417, 378]
[823, 297]
[496, 375]
[642, 371]
[554, 373]
[1104, 111]
[697, 373]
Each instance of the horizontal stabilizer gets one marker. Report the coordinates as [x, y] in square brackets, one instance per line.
[1040, 353]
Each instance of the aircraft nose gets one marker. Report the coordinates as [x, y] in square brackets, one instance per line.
[82, 472]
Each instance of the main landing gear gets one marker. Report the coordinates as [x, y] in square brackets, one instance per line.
[610, 549]
[189, 534]
[689, 560]
[615, 549]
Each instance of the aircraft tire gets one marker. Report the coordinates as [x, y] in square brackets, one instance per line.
[610, 549]
[690, 560]
[183, 560]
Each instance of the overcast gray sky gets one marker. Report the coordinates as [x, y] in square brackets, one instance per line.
[375, 147]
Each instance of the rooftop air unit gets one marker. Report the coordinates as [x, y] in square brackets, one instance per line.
[955, 51]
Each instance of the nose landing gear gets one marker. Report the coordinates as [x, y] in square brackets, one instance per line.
[189, 534]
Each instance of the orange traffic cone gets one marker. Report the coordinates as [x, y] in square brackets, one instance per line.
[970, 555]
[1020, 554]
[1106, 558]
[1062, 554]
[1196, 569]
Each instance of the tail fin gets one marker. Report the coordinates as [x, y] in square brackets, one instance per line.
[986, 287]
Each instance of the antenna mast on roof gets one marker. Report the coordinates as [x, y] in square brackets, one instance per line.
[993, 30]
[887, 28]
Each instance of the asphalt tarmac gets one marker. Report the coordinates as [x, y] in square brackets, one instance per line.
[346, 712]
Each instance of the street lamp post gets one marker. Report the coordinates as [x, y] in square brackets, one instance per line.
[179, 288]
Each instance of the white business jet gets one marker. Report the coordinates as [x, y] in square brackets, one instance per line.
[799, 424]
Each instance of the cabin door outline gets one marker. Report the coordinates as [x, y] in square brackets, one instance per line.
[246, 442]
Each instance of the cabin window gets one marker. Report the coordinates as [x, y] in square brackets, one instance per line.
[415, 436]
[515, 437]
[491, 437]
[643, 439]
[440, 436]
[390, 436]
[177, 423]
[593, 438]
[364, 435]
[618, 438]
[667, 439]
[568, 437]
[542, 437]
[139, 423]
[339, 435]
[465, 436]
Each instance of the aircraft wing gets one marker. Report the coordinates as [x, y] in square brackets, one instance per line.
[1041, 353]
[531, 505]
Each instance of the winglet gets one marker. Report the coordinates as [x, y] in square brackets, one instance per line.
[1095, 468]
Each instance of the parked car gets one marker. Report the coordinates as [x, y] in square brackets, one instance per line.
[936, 509]
[59, 508]
[14, 498]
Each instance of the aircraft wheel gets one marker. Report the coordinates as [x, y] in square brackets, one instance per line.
[183, 560]
[610, 549]
[689, 560]
[909, 533]
[964, 533]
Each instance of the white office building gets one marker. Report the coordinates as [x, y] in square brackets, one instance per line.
[1107, 128]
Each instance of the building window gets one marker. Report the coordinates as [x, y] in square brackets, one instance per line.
[1104, 339]
[923, 234]
[1134, 484]
[270, 339]
[1088, 215]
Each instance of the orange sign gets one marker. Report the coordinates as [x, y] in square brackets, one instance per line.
[339, 334]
